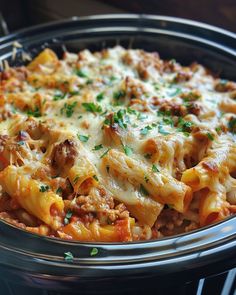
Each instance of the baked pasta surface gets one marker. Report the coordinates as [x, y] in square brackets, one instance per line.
[117, 145]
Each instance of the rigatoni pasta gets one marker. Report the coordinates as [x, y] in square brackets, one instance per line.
[115, 146]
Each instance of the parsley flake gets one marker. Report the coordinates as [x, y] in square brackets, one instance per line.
[104, 154]
[98, 147]
[154, 168]
[81, 73]
[76, 179]
[69, 109]
[119, 94]
[100, 96]
[128, 150]
[92, 107]
[59, 191]
[94, 252]
[210, 136]
[44, 188]
[68, 256]
[34, 113]
[143, 190]
[67, 217]
[162, 131]
[95, 177]
[83, 138]
[232, 125]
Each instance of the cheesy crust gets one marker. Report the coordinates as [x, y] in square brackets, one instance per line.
[116, 145]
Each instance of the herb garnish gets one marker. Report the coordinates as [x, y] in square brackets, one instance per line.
[128, 150]
[162, 131]
[100, 96]
[143, 190]
[80, 73]
[92, 107]
[83, 138]
[210, 136]
[68, 256]
[154, 168]
[104, 154]
[59, 191]
[59, 96]
[119, 94]
[67, 217]
[98, 147]
[35, 113]
[232, 125]
[69, 109]
[95, 177]
[94, 252]
[44, 188]
[76, 179]
[21, 142]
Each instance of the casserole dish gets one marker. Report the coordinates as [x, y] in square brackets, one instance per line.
[39, 261]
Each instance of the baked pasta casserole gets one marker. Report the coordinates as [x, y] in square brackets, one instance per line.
[115, 146]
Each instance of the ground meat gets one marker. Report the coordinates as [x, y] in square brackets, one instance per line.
[225, 86]
[183, 76]
[134, 89]
[64, 154]
[169, 221]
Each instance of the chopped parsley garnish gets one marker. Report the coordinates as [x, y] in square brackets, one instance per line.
[59, 191]
[218, 129]
[119, 94]
[146, 129]
[128, 150]
[175, 92]
[44, 188]
[74, 93]
[210, 136]
[69, 109]
[67, 217]
[98, 147]
[163, 113]
[21, 142]
[83, 138]
[94, 252]
[95, 177]
[132, 111]
[76, 179]
[143, 190]
[92, 107]
[154, 168]
[100, 97]
[184, 126]
[120, 119]
[141, 117]
[168, 121]
[34, 113]
[68, 256]
[232, 125]
[162, 131]
[89, 81]
[104, 154]
[80, 73]
[59, 96]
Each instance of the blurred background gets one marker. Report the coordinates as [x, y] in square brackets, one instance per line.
[24, 13]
